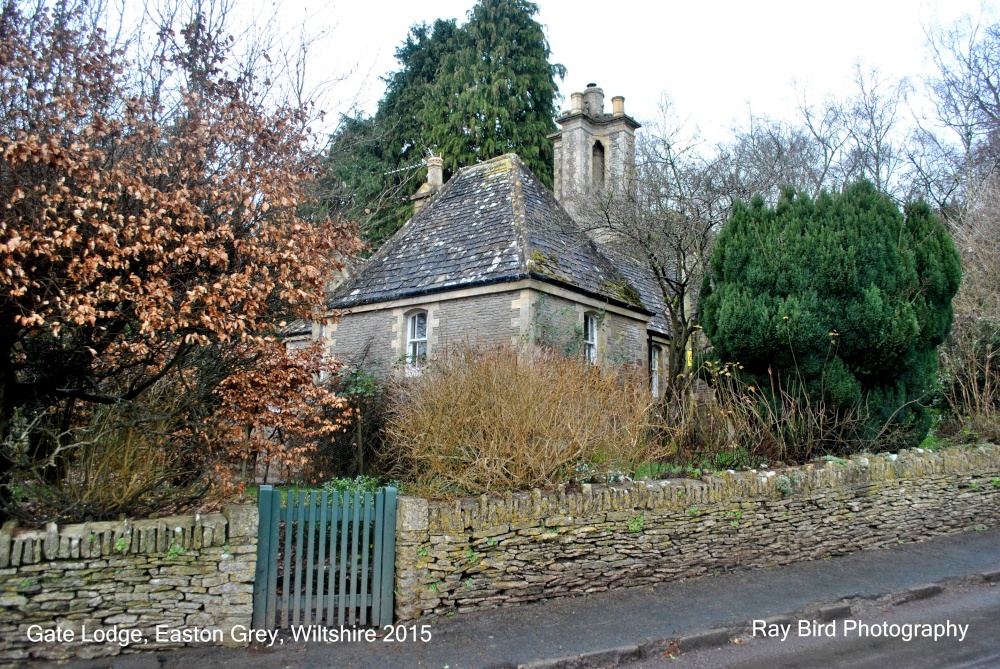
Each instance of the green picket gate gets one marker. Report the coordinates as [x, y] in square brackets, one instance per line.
[324, 558]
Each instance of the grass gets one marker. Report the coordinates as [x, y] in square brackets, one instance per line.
[657, 470]
[933, 443]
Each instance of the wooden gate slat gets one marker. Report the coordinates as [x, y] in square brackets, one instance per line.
[388, 556]
[377, 557]
[270, 615]
[342, 600]
[286, 583]
[352, 591]
[365, 550]
[324, 502]
[260, 577]
[307, 607]
[299, 532]
[333, 557]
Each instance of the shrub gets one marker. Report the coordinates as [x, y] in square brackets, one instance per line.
[783, 485]
[842, 301]
[970, 361]
[481, 419]
[360, 484]
[122, 458]
[354, 450]
[741, 425]
[153, 182]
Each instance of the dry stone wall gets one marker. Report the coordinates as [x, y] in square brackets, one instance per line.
[493, 551]
[104, 588]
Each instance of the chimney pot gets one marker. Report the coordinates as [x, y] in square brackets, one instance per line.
[618, 105]
[577, 103]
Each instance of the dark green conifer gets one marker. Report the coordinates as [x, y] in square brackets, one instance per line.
[374, 163]
[466, 93]
[496, 90]
[844, 299]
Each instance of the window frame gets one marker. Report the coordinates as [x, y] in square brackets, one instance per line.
[413, 358]
[597, 163]
[324, 374]
[590, 327]
[655, 355]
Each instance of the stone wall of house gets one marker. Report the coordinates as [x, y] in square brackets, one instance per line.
[625, 340]
[480, 320]
[380, 335]
[111, 584]
[367, 335]
[493, 551]
[558, 322]
[491, 318]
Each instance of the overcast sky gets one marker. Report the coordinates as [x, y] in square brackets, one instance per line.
[715, 59]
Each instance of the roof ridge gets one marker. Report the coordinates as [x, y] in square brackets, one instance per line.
[520, 219]
[396, 239]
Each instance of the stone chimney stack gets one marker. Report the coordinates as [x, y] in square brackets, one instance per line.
[435, 179]
[594, 151]
[435, 173]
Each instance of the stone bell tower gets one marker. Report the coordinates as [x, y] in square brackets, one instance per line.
[593, 150]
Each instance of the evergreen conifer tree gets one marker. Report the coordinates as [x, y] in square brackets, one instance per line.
[496, 90]
[843, 299]
[365, 175]
[466, 93]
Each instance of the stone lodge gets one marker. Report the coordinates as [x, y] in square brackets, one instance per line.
[493, 256]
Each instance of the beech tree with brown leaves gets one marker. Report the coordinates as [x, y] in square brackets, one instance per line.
[150, 246]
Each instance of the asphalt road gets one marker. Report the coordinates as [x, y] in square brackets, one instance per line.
[977, 606]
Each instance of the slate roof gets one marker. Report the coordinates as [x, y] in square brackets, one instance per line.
[493, 222]
[646, 285]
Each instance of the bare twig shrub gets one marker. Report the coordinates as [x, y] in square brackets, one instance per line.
[970, 363]
[487, 419]
[740, 424]
[126, 458]
[970, 358]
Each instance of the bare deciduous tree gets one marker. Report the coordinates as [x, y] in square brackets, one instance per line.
[664, 218]
[873, 149]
